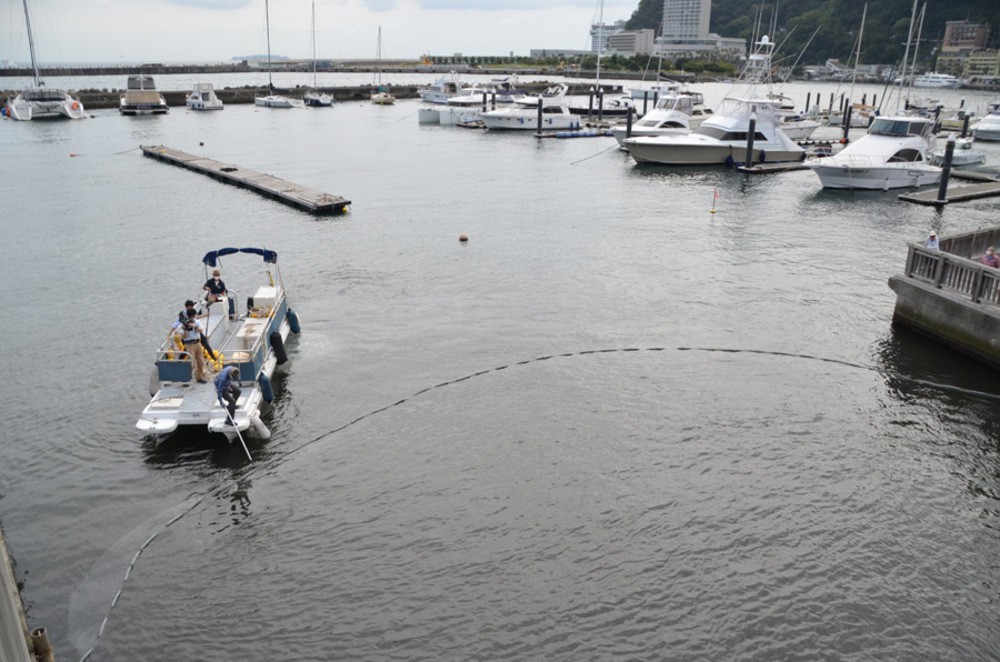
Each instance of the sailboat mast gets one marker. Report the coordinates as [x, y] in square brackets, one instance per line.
[906, 53]
[267, 23]
[600, 42]
[31, 44]
[314, 43]
[857, 51]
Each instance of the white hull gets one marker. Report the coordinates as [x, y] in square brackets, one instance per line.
[317, 99]
[619, 131]
[201, 105]
[701, 150]
[143, 108]
[987, 131]
[203, 97]
[800, 130]
[57, 104]
[446, 116]
[518, 121]
[874, 177]
[274, 101]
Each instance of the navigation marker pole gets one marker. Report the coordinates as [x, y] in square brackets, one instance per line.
[715, 197]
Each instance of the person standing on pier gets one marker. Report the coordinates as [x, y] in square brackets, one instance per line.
[932, 242]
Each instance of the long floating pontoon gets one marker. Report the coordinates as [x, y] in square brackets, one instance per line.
[290, 193]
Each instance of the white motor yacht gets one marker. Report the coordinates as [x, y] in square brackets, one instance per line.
[964, 154]
[674, 114]
[522, 115]
[934, 80]
[276, 101]
[141, 97]
[443, 89]
[722, 138]
[203, 97]
[895, 153]
[988, 128]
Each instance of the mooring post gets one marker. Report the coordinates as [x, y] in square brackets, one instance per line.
[752, 129]
[600, 104]
[847, 124]
[540, 102]
[965, 125]
[493, 100]
[949, 152]
[484, 101]
[645, 101]
[628, 124]
[808, 99]
[590, 103]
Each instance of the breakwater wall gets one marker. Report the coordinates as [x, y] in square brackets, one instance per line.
[950, 296]
[94, 99]
[15, 640]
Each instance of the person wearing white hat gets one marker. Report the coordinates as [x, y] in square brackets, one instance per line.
[932, 242]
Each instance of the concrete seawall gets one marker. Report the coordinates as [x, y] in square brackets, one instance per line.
[15, 639]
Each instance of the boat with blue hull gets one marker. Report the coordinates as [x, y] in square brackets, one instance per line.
[252, 339]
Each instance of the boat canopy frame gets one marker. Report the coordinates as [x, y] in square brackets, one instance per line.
[212, 257]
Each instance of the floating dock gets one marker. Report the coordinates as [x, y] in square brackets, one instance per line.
[279, 189]
[949, 295]
[766, 168]
[986, 187]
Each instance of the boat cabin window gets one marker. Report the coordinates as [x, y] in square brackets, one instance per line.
[722, 134]
[900, 128]
[43, 94]
[906, 156]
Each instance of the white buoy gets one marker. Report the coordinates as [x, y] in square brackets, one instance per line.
[260, 428]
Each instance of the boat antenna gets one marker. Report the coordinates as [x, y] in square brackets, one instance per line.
[267, 23]
[314, 40]
[31, 44]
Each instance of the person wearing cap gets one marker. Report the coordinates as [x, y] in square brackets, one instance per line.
[190, 329]
[215, 287]
[932, 242]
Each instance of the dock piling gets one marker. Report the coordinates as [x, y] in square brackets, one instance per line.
[752, 129]
[628, 123]
[949, 153]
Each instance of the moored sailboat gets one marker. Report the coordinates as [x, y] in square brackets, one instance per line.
[41, 102]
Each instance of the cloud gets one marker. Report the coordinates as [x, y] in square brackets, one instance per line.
[213, 4]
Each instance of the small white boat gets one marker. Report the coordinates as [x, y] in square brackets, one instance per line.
[655, 90]
[276, 101]
[272, 100]
[443, 89]
[141, 97]
[722, 138]
[252, 340]
[895, 153]
[499, 91]
[988, 128]
[674, 114]
[41, 102]
[522, 115]
[203, 97]
[934, 80]
[964, 155]
[797, 127]
[380, 96]
[315, 98]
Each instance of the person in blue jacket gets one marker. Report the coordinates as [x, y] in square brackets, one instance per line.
[228, 391]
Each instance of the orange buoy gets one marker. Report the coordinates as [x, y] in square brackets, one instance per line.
[463, 237]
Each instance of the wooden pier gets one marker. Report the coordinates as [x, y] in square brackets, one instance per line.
[279, 189]
[951, 296]
[986, 187]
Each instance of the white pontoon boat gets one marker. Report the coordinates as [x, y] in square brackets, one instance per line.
[252, 339]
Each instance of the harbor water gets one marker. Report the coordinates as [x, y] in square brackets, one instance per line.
[613, 424]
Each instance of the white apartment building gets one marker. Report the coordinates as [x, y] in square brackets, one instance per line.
[686, 19]
[599, 33]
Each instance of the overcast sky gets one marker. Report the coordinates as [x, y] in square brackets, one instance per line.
[217, 30]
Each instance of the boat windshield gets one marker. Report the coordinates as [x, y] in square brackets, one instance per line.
[43, 94]
[140, 83]
[900, 128]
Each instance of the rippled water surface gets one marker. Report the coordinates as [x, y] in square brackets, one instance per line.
[613, 425]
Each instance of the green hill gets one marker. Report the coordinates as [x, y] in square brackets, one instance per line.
[884, 39]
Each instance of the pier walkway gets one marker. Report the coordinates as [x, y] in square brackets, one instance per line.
[14, 635]
[986, 186]
[290, 193]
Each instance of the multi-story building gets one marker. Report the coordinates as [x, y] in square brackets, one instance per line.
[685, 32]
[601, 32]
[686, 19]
[964, 36]
[632, 42]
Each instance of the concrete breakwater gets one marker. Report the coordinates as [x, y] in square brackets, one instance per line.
[94, 99]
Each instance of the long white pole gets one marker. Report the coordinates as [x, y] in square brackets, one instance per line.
[31, 43]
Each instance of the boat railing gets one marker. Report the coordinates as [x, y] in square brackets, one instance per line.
[954, 274]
